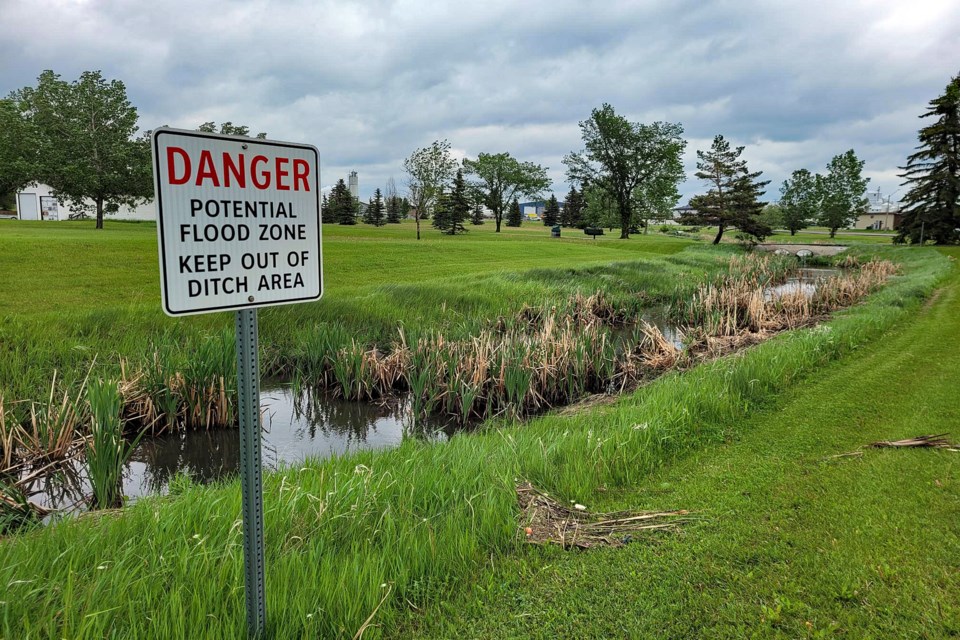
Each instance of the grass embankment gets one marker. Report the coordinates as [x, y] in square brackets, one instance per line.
[793, 543]
[403, 527]
[73, 293]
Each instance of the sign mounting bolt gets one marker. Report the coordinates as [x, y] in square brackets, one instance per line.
[250, 299]
[243, 146]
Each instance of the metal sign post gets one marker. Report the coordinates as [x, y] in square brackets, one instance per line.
[248, 388]
[238, 226]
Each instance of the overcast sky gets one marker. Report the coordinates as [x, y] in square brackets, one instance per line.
[369, 82]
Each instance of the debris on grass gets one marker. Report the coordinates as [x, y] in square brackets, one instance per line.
[938, 441]
[547, 521]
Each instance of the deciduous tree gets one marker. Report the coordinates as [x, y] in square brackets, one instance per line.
[799, 200]
[87, 147]
[503, 178]
[624, 158]
[230, 129]
[842, 192]
[428, 170]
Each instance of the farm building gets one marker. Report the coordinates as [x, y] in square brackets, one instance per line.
[37, 202]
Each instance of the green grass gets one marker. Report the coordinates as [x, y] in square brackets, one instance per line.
[78, 293]
[414, 525]
[792, 543]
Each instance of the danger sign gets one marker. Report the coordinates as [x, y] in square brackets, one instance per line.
[238, 221]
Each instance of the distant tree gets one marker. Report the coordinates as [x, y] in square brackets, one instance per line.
[85, 143]
[375, 213]
[799, 200]
[459, 204]
[428, 170]
[392, 201]
[624, 158]
[572, 209]
[476, 213]
[599, 208]
[931, 208]
[325, 209]
[442, 212]
[230, 129]
[733, 196]
[655, 200]
[772, 215]
[842, 192]
[503, 178]
[404, 208]
[514, 216]
[551, 212]
[341, 205]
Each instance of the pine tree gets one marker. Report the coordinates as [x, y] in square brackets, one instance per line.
[476, 215]
[572, 209]
[404, 208]
[551, 212]
[441, 212]
[342, 207]
[514, 217]
[393, 210]
[459, 205]
[732, 200]
[374, 213]
[931, 208]
[326, 214]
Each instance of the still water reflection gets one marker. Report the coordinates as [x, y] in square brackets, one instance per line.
[295, 426]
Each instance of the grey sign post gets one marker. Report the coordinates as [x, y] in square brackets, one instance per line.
[238, 224]
[248, 409]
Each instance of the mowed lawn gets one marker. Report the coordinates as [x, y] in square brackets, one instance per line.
[792, 542]
[70, 266]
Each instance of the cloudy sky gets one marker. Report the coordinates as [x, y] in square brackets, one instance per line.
[369, 82]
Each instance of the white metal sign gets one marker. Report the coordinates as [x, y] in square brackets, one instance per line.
[238, 221]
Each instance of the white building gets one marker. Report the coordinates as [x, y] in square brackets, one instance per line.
[36, 202]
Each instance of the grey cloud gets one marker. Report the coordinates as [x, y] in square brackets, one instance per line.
[368, 82]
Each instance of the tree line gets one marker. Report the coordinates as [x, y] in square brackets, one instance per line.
[82, 139]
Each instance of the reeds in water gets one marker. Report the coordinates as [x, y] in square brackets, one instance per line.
[107, 450]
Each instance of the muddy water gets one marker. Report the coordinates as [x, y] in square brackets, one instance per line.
[295, 427]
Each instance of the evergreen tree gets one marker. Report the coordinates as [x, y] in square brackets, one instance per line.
[393, 210]
[325, 213]
[799, 200]
[572, 209]
[514, 217]
[374, 213]
[732, 199]
[551, 212]
[931, 208]
[842, 192]
[459, 205]
[476, 216]
[341, 204]
[441, 211]
[404, 208]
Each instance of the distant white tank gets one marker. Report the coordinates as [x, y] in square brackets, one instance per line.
[354, 185]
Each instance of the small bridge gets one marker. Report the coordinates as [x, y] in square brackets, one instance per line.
[794, 249]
